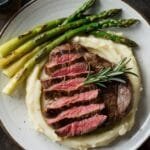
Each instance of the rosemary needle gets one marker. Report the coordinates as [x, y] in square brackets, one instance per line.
[110, 74]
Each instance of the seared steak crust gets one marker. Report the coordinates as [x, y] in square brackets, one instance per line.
[81, 127]
[73, 108]
[76, 113]
[56, 94]
[92, 96]
[50, 69]
[67, 48]
[117, 98]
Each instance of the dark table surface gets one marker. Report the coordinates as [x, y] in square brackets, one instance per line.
[143, 6]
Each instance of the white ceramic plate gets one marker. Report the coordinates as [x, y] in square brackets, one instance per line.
[13, 113]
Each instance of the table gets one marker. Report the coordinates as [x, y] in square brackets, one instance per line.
[143, 6]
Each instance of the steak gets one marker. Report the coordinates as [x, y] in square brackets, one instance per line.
[76, 113]
[53, 80]
[72, 70]
[56, 94]
[67, 48]
[73, 108]
[69, 85]
[66, 102]
[97, 63]
[47, 83]
[117, 98]
[66, 58]
[124, 98]
[50, 69]
[81, 127]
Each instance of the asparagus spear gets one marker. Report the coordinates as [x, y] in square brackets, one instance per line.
[11, 70]
[8, 47]
[52, 33]
[25, 71]
[79, 11]
[20, 76]
[114, 37]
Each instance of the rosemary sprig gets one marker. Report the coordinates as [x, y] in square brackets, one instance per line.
[110, 74]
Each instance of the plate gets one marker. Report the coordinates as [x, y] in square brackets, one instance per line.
[13, 112]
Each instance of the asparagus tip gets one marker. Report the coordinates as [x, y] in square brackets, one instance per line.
[135, 21]
[118, 9]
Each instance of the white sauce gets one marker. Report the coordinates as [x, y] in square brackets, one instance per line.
[110, 51]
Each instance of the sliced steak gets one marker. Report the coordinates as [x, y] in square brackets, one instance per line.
[97, 63]
[81, 127]
[67, 48]
[47, 83]
[76, 113]
[56, 94]
[57, 60]
[72, 70]
[71, 104]
[50, 69]
[117, 98]
[64, 55]
[77, 100]
[53, 80]
[124, 98]
[69, 85]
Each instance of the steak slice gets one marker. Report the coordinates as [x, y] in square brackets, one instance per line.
[67, 48]
[64, 55]
[72, 70]
[76, 113]
[56, 60]
[69, 85]
[46, 83]
[117, 98]
[124, 98]
[66, 102]
[65, 58]
[81, 127]
[50, 69]
[97, 63]
[56, 94]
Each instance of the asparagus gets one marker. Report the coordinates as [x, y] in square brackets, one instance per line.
[8, 47]
[114, 38]
[25, 71]
[52, 33]
[20, 76]
[79, 11]
[11, 70]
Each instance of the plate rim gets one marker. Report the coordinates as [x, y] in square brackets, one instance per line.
[2, 126]
[4, 28]
[14, 16]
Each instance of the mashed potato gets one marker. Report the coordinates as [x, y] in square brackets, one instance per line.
[110, 51]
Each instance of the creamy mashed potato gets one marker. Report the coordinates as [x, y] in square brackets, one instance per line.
[112, 52]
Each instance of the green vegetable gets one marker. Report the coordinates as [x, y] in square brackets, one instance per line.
[83, 29]
[8, 47]
[26, 70]
[79, 11]
[19, 78]
[31, 44]
[110, 74]
[11, 70]
[114, 38]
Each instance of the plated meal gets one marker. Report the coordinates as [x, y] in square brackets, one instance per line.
[82, 79]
